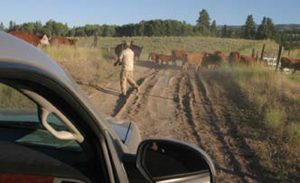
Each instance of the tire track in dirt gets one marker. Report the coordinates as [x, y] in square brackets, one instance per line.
[133, 102]
[230, 115]
[229, 163]
[184, 99]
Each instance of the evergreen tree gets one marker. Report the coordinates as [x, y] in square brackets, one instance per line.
[266, 29]
[203, 24]
[213, 28]
[224, 31]
[262, 29]
[271, 30]
[249, 29]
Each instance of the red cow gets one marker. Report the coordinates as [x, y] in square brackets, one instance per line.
[59, 40]
[30, 38]
[290, 63]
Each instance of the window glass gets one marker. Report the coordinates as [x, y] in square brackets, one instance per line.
[20, 115]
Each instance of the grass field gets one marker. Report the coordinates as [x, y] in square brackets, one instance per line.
[269, 104]
[166, 44]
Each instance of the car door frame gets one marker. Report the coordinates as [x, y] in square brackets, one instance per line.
[27, 75]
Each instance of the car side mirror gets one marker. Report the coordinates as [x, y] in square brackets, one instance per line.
[173, 161]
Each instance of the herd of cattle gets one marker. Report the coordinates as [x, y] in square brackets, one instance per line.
[43, 40]
[213, 60]
[197, 60]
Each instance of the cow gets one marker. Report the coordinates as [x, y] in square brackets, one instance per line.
[290, 63]
[191, 58]
[178, 55]
[215, 59]
[136, 49]
[164, 58]
[234, 58]
[248, 60]
[152, 56]
[59, 40]
[31, 38]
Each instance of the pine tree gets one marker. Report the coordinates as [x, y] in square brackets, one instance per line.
[203, 25]
[262, 29]
[266, 29]
[224, 32]
[271, 30]
[213, 28]
[249, 29]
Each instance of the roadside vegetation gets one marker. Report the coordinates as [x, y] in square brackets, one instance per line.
[266, 107]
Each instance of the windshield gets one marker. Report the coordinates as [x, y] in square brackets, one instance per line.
[221, 75]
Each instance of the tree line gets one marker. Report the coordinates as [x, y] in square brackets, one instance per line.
[203, 27]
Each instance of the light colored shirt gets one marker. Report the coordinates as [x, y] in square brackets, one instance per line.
[127, 58]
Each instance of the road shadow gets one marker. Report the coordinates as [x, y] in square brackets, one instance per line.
[106, 90]
[121, 102]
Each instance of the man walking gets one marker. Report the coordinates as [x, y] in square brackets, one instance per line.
[126, 59]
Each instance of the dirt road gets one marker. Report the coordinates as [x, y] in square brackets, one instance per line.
[188, 107]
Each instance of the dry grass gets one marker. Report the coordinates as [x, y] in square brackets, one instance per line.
[14, 100]
[83, 63]
[166, 44]
[270, 103]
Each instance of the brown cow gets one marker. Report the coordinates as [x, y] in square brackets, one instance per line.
[290, 63]
[248, 60]
[59, 40]
[163, 58]
[234, 58]
[178, 55]
[30, 38]
[191, 58]
[215, 59]
[152, 56]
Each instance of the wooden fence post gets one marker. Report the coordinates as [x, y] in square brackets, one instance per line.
[262, 52]
[280, 51]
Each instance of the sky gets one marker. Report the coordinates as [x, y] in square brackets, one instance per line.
[119, 12]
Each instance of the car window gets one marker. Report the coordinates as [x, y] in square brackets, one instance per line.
[20, 112]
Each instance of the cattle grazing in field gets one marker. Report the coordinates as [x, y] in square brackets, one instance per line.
[136, 49]
[178, 55]
[30, 38]
[214, 60]
[164, 58]
[248, 60]
[59, 40]
[192, 59]
[234, 58]
[290, 63]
